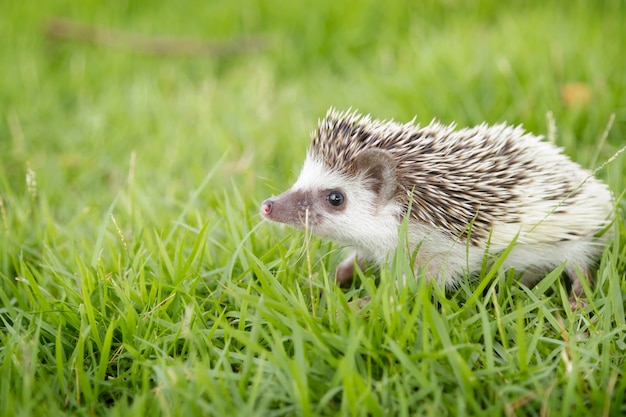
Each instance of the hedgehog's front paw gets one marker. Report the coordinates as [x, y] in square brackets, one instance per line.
[345, 270]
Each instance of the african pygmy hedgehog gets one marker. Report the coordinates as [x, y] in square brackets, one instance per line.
[466, 190]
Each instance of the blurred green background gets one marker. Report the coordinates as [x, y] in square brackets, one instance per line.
[75, 112]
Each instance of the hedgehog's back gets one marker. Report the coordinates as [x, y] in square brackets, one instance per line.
[474, 181]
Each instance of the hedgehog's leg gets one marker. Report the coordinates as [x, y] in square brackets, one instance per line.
[345, 274]
[577, 296]
[345, 270]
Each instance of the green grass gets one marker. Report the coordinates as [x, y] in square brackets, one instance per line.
[136, 277]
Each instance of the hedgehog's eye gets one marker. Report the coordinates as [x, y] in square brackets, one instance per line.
[335, 198]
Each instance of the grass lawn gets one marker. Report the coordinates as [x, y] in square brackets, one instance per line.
[137, 277]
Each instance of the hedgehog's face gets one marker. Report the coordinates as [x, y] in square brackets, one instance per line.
[359, 210]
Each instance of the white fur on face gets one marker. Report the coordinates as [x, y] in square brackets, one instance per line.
[315, 176]
[364, 222]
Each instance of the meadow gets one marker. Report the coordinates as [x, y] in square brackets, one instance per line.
[138, 139]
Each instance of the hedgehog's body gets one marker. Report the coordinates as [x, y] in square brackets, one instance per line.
[466, 189]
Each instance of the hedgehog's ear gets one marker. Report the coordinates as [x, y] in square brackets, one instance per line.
[379, 170]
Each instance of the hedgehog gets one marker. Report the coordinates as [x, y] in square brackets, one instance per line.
[463, 192]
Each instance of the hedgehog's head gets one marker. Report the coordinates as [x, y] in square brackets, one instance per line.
[356, 207]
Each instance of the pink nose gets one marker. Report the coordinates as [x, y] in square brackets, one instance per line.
[266, 207]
